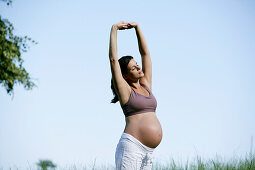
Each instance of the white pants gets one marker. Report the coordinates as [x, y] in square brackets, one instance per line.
[131, 154]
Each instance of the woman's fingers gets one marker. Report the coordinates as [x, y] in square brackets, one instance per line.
[120, 24]
[133, 24]
[125, 25]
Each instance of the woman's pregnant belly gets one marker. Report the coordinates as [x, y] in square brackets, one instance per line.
[145, 127]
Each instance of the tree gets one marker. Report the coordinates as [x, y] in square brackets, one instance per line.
[45, 164]
[11, 48]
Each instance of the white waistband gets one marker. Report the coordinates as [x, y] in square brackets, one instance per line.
[132, 138]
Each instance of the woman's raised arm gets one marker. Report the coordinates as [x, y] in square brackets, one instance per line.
[145, 54]
[120, 85]
[113, 44]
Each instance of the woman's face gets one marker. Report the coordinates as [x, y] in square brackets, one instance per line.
[134, 71]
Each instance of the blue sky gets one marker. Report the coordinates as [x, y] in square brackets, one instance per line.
[203, 60]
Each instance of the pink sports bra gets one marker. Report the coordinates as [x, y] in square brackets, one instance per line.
[138, 103]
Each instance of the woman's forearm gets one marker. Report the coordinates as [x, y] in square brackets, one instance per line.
[113, 44]
[141, 41]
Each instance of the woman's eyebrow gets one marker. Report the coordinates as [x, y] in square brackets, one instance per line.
[134, 65]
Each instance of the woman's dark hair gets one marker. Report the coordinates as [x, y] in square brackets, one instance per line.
[123, 61]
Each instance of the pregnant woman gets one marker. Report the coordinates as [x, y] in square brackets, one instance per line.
[132, 87]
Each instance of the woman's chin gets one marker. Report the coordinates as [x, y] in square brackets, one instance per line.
[141, 75]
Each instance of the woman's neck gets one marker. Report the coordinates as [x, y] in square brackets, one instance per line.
[135, 85]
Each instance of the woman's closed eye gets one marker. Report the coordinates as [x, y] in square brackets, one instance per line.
[135, 67]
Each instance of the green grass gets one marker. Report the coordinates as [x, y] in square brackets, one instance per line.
[245, 163]
[236, 163]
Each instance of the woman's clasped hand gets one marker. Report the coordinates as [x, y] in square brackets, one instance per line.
[125, 25]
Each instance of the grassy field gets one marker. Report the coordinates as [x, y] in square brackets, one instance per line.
[246, 162]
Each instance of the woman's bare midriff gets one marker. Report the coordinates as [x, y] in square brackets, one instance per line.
[145, 127]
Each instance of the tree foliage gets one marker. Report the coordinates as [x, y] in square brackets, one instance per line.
[45, 164]
[11, 63]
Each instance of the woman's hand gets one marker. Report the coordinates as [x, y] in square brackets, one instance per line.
[132, 24]
[125, 25]
[121, 25]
